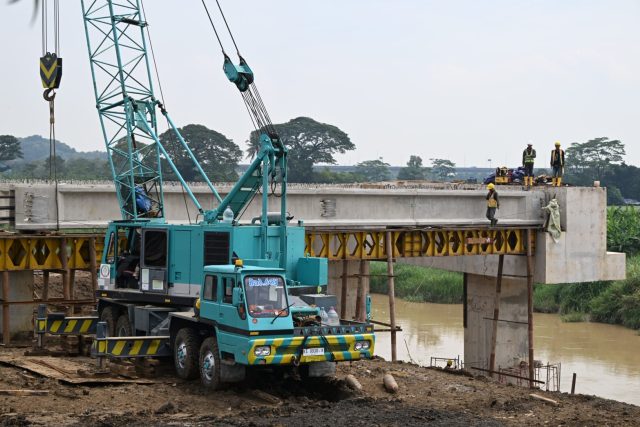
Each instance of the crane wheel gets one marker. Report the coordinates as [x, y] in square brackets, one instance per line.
[210, 364]
[186, 350]
[123, 326]
[108, 316]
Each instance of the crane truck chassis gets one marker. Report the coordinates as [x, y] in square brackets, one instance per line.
[205, 301]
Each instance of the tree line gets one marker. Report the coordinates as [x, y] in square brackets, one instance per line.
[312, 143]
[602, 159]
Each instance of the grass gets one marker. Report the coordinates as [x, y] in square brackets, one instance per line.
[620, 302]
[574, 316]
[418, 284]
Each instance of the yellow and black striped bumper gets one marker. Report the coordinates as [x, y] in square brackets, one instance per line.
[287, 351]
[67, 326]
[131, 347]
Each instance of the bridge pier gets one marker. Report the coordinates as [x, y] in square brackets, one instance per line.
[512, 343]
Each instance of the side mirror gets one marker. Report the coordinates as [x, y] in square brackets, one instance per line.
[236, 297]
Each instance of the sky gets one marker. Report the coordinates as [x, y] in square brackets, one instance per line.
[464, 80]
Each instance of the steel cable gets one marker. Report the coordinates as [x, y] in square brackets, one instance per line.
[162, 98]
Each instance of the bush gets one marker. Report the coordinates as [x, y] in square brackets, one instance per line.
[545, 298]
[566, 298]
[620, 303]
[623, 229]
[419, 284]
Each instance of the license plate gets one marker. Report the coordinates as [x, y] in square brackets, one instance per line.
[315, 351]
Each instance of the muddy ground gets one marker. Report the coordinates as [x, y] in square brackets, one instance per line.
[425, 397]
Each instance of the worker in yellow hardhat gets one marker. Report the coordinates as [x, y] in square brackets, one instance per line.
[528, 158]
[557, 164]
[493, 203]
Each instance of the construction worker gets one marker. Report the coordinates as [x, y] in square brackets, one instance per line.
[493, 203]
[528, 158]
[557, 164]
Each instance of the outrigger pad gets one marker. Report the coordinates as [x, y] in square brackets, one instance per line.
[322, 369]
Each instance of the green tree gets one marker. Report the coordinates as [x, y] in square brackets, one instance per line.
[52, 167]
[414, 170]
[614, 196]
[592, 160]
[217, 154]
[443, 169]
[626, 178]
[9, 148]
[326, 176]
[309, 142]
[374, 170]
[87, 169]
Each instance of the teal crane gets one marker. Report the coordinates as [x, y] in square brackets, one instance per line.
[117, 40]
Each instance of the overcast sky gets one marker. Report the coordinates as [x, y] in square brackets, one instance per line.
[464, 80]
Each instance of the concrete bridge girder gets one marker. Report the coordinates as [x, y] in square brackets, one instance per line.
[325, 206]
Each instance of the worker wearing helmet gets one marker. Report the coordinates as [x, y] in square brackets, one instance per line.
[557, 164]
[493, 203]
[528, 158]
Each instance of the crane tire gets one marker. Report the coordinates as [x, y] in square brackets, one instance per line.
[123, 326]
[210, 364]
[186, 351]
[108, 316]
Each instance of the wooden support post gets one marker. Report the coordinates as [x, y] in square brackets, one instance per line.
[573, 384]
[392, 295]
[344, 294]
[6, 329]
[530, 306]
[72, 289]
[359, 316]
[45, 286]
[93, 264]
[64, 262]
[496, 314]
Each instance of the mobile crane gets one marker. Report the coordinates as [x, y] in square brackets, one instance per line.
[222, 295]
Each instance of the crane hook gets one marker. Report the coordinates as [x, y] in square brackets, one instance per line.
[49, 95]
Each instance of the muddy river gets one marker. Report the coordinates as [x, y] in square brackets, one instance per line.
[606, 358]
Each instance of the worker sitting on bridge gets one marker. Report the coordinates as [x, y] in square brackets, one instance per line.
[557, 164]
[493, 203]
[528, 158]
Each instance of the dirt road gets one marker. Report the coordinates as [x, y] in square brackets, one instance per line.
[425, 397]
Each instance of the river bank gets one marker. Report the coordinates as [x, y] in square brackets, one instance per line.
[605, 302]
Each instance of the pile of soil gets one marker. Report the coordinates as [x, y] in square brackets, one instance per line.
[425, 397]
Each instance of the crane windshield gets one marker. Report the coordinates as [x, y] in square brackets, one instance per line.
[265, 295]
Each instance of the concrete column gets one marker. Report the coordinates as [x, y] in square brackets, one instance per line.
[511, 342]
[20, 289]
[336, 281]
